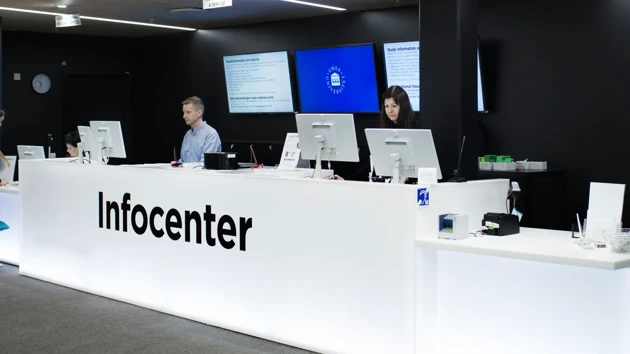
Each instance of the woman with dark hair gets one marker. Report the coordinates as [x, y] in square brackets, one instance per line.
[72, 142]
[396, 111]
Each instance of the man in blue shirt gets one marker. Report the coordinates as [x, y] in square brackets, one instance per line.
[201, 137]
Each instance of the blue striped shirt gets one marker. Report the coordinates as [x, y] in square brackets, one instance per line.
[199, 141]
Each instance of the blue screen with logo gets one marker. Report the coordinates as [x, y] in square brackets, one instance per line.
[337, 80]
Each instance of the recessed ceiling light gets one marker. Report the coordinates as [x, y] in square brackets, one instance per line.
[316, 5]
[97, 19]
[62, 6]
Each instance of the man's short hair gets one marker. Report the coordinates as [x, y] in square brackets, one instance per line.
[196, 102]
[1, 113]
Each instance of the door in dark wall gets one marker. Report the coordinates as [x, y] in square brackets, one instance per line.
[89, 97]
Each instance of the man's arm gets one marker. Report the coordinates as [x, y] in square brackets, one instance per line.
[211, 144]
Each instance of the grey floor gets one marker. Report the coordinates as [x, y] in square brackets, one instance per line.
[39, 317]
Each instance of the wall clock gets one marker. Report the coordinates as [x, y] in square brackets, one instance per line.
[41, 83]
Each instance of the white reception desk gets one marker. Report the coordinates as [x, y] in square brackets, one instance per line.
[330, 266]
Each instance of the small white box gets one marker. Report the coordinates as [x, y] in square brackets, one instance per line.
[453, 226]
[503, 166]
[537, 165]
[485, 166]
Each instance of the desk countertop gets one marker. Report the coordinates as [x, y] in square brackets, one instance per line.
[10, 189]
[265, 171]
[538, 245]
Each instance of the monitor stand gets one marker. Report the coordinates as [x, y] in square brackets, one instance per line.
[102, 158]
[319, 140]
[396, 167]
[81, 150]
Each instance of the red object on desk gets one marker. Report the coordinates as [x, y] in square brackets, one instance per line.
[256, 164]
[175, 163]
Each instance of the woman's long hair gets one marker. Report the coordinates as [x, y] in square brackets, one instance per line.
[406, 116]
[73, 138]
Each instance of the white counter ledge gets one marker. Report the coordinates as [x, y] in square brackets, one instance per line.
[539, 245]
[10, 189]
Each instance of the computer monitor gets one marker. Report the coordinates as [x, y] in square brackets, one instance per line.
[337, 79]
[258, 83]
[88, 143]
[399, 153]
[327, 137]
[402, 68]
[109, 139]
[26, 152]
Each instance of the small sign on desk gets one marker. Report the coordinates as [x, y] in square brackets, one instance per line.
[605, 209]
[290, 153]
[427, 176]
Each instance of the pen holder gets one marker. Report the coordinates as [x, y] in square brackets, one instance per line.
[575, 231]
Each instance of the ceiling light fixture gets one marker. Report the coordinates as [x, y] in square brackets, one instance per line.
[97, 19]
[62, 6]
[136, 23]
[316, 5]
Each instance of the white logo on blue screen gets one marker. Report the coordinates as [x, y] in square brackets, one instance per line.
[423, 197]
[335, 80]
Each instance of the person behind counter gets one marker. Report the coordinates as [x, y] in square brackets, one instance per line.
[72, 143]
[396, 111]
[201, 137]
